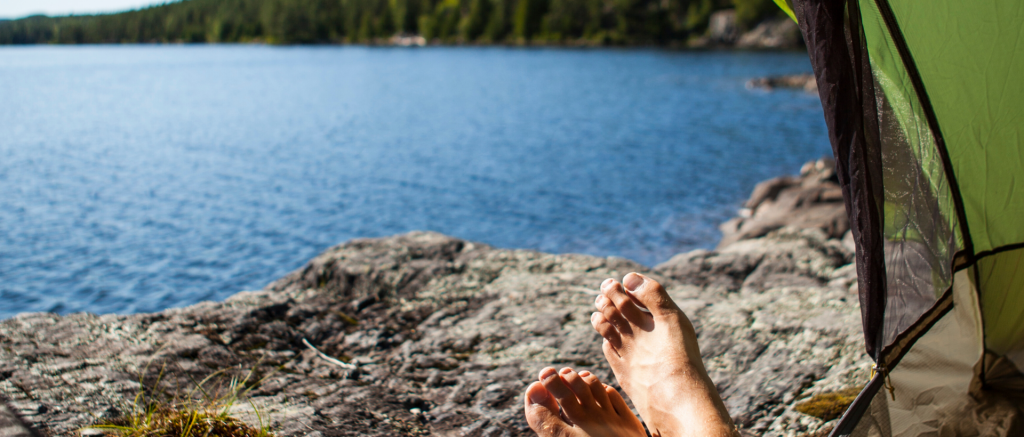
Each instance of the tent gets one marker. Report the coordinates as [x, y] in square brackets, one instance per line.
[924, 102]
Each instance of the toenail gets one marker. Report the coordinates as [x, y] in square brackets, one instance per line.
[566, 371]
[632, 281]
[601, 302]
[538, 396]
[547, 373]
[607, 283]
[584, 374]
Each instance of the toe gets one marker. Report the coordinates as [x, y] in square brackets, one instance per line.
[596, 390]
[648, 293]
[578, 387]
[611, 353]
[565, 397]
[622, 409]
[624, 304]
[612, 315]
[617, 401]
[603, 327]
[542, 413]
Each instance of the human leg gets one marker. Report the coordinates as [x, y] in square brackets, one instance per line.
[655, 357]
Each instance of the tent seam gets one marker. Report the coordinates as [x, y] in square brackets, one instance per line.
[907, 59]
[995, 251]
[855, 412]
[917, 330]
[896, 34]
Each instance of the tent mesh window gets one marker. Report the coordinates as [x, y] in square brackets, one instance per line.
[924, 102]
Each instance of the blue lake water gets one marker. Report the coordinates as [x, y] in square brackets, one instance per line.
[137, 178]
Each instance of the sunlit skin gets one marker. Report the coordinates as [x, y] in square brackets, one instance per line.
[652, 349]
[591, 409]
[655, 357]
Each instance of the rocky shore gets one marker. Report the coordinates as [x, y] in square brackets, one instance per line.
[424, 334]
[805, 82]
[771, 34]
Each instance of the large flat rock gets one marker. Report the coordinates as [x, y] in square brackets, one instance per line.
[442, 336]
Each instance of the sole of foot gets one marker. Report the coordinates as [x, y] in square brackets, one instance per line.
[652, 349]
[570, 404]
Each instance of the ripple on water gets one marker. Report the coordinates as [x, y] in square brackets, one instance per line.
[137, 178]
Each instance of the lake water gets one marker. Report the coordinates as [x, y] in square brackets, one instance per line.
[137, 178]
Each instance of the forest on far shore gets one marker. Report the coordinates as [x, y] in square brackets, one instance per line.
[589, 22]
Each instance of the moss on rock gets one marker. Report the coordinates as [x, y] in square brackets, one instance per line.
[828, 406]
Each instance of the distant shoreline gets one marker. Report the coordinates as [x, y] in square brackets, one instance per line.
[532, 45]
[757, 26]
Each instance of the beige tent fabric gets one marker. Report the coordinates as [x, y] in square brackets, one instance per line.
[932, 383]
[1001, 276]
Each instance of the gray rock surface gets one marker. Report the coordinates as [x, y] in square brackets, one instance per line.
[772, 34]
[439, 336]
[722, 28]
[444, 335]
[812, 200]
[805, 82]
[11, 424]
[776, 33]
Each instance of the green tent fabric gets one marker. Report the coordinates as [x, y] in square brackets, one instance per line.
[924, 103]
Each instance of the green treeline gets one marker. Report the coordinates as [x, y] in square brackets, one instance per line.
[362, 21]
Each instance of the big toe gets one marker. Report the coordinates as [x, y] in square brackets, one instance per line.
[542, 413]
[648, 293]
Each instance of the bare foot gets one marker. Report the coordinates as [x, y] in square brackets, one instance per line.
[656, 359]
[592, 408]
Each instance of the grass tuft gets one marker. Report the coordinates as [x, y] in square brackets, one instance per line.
[199, 413]
[169, 420]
